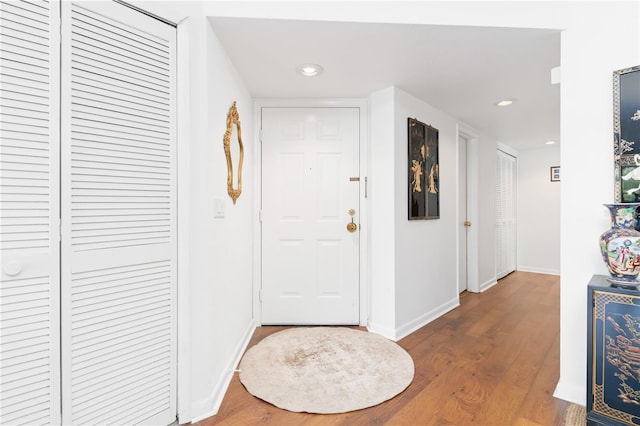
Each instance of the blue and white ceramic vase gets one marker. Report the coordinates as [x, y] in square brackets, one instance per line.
[620, 245]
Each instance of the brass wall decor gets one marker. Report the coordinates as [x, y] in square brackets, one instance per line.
[233, 119]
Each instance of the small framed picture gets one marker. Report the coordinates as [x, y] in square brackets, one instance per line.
[555, 174]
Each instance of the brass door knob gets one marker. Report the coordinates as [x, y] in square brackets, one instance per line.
[467, 223]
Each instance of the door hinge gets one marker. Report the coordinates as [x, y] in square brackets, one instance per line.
[59, 229]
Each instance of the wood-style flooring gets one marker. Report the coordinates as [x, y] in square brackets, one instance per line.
[492, 361]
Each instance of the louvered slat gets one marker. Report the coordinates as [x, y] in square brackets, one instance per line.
[29, 276]
[120, 337]
[24, 120]
[123, 92]
[119, 213]
[140, 125]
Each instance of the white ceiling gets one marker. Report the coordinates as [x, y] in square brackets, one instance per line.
[463, 71]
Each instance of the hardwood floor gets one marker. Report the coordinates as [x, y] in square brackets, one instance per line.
[492, 361]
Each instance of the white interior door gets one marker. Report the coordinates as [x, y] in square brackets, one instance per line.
[118, 216]
[310, 261]
[463, 224]
[29, 200]
[505, 214]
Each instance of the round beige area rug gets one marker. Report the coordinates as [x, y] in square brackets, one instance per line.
[325, 370]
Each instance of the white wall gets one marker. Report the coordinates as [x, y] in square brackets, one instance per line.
[413, 266]
[220, 248]
[382, 215]
[425, 250]
[538, 211]
[604, 39]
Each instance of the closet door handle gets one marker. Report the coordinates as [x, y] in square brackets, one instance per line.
[12, 269]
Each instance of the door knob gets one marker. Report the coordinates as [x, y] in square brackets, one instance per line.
[467, 223]
[12, 269]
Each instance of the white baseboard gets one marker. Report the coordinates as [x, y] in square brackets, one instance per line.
[488, 284]
[538, 270]
[384, 331]
[209, 406]
[422, 320]
[571, 393]
[398, 333]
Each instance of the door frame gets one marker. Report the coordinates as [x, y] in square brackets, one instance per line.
[471, 135]
[363, 106]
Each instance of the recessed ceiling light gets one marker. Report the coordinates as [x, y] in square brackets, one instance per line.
[550, 142]
[505, 102]
[309, 70]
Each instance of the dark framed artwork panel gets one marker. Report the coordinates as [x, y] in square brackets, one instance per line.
[423, 171]
[626, 134]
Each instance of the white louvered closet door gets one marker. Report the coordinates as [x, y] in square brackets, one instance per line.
[505, 211]
[118, 216]
[29, 200]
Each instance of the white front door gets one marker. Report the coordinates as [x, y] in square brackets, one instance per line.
[310, 192]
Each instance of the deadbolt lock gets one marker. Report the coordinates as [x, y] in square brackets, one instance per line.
[352, 226]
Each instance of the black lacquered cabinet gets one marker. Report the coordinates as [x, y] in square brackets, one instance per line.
[613, 354]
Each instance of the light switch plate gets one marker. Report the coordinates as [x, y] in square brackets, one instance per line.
[218, 208]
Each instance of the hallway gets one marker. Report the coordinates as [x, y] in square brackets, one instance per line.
[492, 361]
